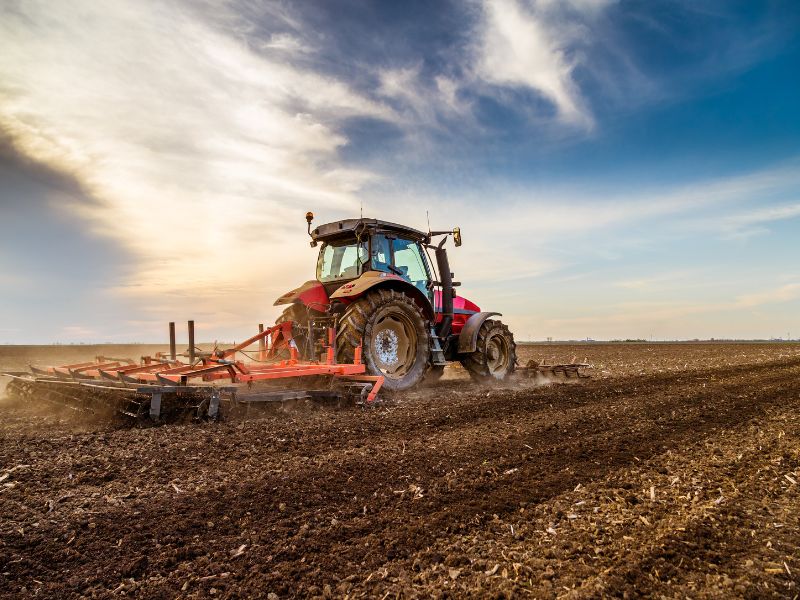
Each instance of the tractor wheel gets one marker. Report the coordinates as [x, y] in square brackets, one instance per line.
[391, 328]
[496, 354]
[299, 315]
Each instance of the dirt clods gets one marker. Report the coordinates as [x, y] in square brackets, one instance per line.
[673, 473]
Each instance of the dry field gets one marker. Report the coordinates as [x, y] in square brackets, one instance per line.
[674, 472]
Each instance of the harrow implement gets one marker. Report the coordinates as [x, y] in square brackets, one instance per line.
[166, 388]
[542, 371]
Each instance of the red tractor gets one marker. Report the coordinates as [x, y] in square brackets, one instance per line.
[376, 285]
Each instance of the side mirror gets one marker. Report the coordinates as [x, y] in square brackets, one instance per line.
[457, 236]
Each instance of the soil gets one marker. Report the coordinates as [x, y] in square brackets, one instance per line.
[673, 472]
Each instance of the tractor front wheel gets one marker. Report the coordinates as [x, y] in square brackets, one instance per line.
[391, 329]
[496, 354]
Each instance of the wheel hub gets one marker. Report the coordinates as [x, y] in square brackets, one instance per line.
[497, 355]
[386, 345]
[394, 345]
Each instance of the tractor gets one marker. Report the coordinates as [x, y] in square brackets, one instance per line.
[377, 288]
[377, 316]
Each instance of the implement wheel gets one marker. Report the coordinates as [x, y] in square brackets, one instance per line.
[18, 390]
[496, 353]
[394, 339]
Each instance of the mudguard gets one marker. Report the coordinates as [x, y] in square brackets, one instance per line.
[311, 293]
[373, 279]
[468, 338]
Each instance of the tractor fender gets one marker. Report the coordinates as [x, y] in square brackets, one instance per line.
[468, 338]
[378, 279]
[311, 293]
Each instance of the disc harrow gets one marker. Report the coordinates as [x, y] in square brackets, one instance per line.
[542, 371]
[167, 388]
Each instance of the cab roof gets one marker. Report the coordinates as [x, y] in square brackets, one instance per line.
[359, 227]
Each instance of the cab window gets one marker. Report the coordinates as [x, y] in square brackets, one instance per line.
[381, 253]
[341, 260]
[410, 262]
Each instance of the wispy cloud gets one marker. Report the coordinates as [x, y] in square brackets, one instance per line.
[747, 224]
[687, 318]
[526, 222]
[535, 45]
[423, 103]
[660, 281]
[784, 293]
[513, 49]
[198, 149]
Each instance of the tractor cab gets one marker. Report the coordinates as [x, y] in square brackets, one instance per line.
[353, 247]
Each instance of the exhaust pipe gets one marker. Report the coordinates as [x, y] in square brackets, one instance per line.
[446, 279]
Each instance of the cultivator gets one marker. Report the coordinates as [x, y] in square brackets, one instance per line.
[167, 388]
[543, 371]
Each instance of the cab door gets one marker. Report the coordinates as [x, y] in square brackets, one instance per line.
[409, 259]
[403, 257]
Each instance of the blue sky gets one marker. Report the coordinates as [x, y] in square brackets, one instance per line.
[619, 168]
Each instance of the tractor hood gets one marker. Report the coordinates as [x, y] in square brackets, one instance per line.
[311, 293]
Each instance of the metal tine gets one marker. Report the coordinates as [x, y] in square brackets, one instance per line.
[165, 381]
[108, 375]
[127, 378]
[79, 375]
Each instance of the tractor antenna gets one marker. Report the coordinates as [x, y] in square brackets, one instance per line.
[362, 208]
[428, 216]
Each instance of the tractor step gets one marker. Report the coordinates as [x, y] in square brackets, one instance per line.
[437, 354]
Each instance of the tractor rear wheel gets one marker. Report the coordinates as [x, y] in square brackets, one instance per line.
[391, 328]
[496, 354]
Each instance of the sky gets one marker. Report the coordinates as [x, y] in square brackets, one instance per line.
[619, 168]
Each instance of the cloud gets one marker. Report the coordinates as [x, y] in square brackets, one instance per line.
[641, 313]
[551, 212]
[533, 45]
[425, 103]
[200, 151]
[658, 282]
[511, 46]
[286, 42]
[784, 293]
[747, 224]
[685, 318]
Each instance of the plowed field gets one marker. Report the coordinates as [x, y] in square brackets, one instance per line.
[674, 472]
